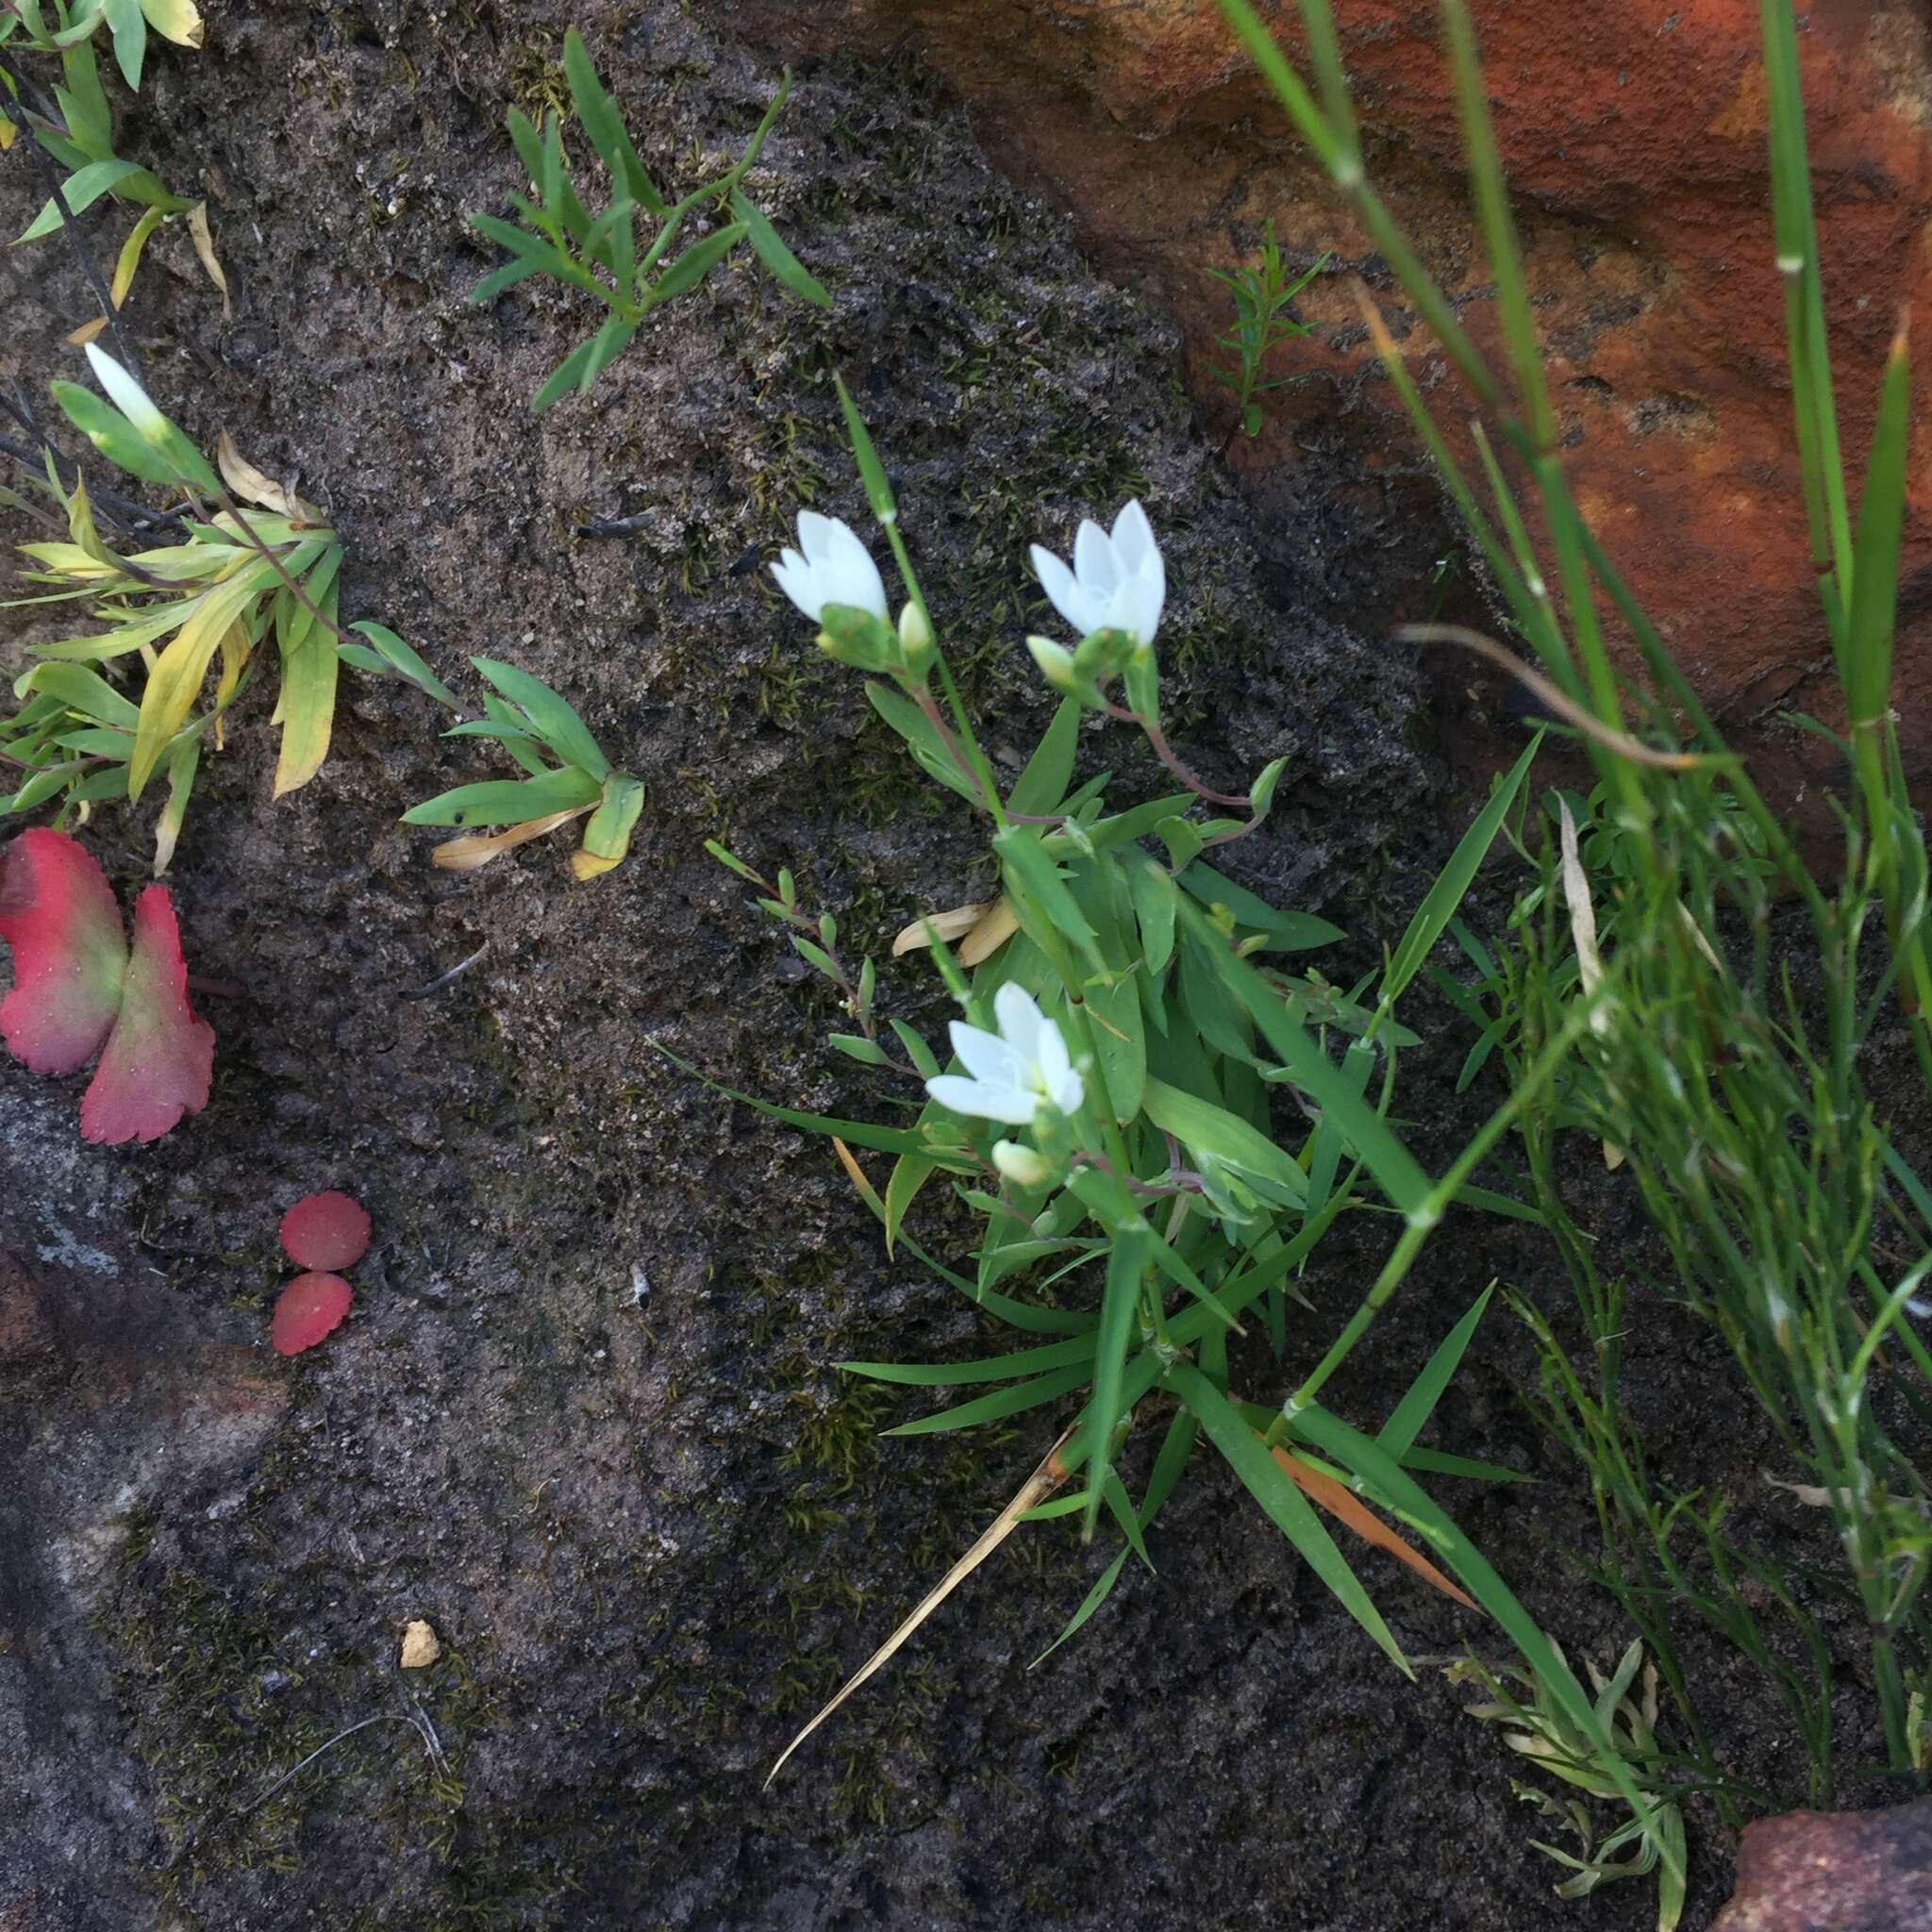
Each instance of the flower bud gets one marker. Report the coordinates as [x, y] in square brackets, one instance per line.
[1021, 1165]
[1055, 663]
[857, 637]
[915, 634]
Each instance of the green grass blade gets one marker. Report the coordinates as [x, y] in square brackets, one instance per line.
[999, 1368]
[1397, 1435]
[1281, 1502]
[1126, 1264]
[1001, 1403]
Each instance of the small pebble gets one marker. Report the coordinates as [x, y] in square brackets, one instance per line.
[420, 1646]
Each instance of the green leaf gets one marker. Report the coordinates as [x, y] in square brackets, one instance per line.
[608, 834]
[1287, 932]
[1038, 894]
[999, 1368]
[602, 123]
[550, 717]
[1208, 1129]
[855, 1046]
[911, 1172]
[1153, 892]
[1001, 1403]
[1042, 786]
[392, 655]
[1399, 1493]
[81, 190]
[871, 472]
[129, 25]
[1452, 883]
[696, 263]
[1127, 1263]
[1282, 1503]
[1392, 1165]
[916, 728]
[564, 378]
[83, 690]
[508, 801]
[1867, 668]
[770, 247]
[858, 1133]
[1399, 1432]
[606, 346]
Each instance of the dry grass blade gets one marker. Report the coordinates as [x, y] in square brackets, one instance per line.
[1346, 1507]
[867, 1192]
[205, 248]
[1559, 705]
[478, 848]
[252, 486]
[949, 925]
[1036, 1488]
[1590, 963]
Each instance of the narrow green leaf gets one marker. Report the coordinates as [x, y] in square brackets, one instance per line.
[394, 655]
[1282, 1503]
[1287, 932]
[553, 721]
[1126, 1264]
[696, 263]
[1399, 1432]
[564, 378]
[769, 245]
[879, 491]
[999, 1368]
[508, 801]
[1206, 1129]
[81, 190]
[1041, 787]
[1001, 1403]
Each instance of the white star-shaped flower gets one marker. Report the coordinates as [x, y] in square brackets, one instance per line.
[835, 567]
[1012, 1071]
[1118, 581]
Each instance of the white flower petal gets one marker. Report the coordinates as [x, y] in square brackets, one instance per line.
[796, 579]
[1133, 539]
[1066, 1090]
[854, 576]
[987, 1057]
[979, 1101]
[1063, 590]
[815, 533]
[1055, 1064]
[1021, 1021]
[1094, 560]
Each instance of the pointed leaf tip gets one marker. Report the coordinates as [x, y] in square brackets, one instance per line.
[70, 954]
[311, 1307]
[328, 1231]
[160, 1058]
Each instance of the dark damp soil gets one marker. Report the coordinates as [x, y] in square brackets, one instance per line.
[584, 1419]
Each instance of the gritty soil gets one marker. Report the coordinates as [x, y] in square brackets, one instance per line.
[585, 1418]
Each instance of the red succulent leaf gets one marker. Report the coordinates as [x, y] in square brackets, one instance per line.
[160, 1058]
[70, 956]
[328, 1231]
[309, 1307]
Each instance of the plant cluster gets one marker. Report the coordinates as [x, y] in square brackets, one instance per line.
[71, 122]
[243, 581]
[1108, 1104]
[603, 253]
[1262, 324]
[1728, 1073]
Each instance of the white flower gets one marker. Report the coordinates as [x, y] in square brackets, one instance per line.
[1013, 1070]
[1024, 1166]
[1118, 582]
[836, 569]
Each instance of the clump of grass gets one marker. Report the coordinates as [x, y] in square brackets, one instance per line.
[1729, 1081]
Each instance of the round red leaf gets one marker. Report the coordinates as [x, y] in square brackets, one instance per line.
[309, 1307]
[326, 1231]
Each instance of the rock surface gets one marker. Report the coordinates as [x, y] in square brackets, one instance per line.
[1634, 136]
[1835, 1871]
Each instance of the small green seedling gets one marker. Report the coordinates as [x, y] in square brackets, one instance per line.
[569, 778]
[1543, 1732]
[1262, 324]
[244, 577]
[73, 124]
[601, 254]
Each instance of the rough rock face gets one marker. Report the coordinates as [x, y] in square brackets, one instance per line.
[1835, 1871]
[1634, 135]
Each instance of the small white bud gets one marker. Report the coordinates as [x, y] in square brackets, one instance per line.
[915, 633]
[1056, 663]
[1025, 1167]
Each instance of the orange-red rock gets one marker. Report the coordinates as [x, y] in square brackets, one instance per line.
[1634, 134]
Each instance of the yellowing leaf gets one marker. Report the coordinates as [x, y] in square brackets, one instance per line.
[479, 848]
[949, 925]
[989, 935]
[585, 864]
[308, 709]
[175, 20]
[205, 248]
[130, 260]
[87, 332]
[176, 677]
